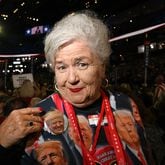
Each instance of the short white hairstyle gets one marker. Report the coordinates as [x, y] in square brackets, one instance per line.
[83, 26]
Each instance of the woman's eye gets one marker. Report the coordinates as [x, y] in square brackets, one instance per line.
[61, 68]
[82, 65]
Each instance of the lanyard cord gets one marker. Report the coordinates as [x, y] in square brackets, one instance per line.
[98, 129]
[115, 140]
[88, 158]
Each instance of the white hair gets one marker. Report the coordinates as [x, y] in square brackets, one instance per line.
[83, 26]
[124, 112]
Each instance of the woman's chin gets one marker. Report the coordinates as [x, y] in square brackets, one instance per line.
[76, 101]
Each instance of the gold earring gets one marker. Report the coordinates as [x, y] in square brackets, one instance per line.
[56, 87]
[105, 83]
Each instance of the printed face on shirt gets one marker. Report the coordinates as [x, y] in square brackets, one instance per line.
[135, 112]
[78, 73]
[126, 128]
[86, 132]
[51, 155]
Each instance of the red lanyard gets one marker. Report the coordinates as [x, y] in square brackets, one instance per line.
[112, 134]
[88, 158]
[115, 140]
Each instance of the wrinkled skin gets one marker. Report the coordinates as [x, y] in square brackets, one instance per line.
[78, 73]
[15, 127]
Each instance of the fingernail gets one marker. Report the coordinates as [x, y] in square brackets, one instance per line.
[40, 108]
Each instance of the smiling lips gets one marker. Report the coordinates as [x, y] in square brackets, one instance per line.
[75, 89]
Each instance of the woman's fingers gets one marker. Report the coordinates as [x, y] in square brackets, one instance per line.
[31, 111]
[19, 124]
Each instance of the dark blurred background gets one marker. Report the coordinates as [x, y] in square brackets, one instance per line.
[19, 41]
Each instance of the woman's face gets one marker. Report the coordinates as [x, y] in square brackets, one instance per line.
[78, 74]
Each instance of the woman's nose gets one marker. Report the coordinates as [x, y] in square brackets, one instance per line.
[72, 75]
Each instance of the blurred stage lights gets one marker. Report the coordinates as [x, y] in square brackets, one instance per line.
[37, 30]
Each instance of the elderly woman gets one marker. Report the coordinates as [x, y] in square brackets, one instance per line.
[77, 50]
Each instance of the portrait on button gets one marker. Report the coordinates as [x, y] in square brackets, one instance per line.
[55, 122]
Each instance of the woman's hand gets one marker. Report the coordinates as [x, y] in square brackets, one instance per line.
[19, 124]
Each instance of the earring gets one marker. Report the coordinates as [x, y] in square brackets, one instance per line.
[56, 87]
[105, 83]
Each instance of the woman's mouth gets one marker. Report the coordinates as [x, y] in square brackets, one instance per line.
[75, 90]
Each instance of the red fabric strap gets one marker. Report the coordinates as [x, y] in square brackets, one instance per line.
[141, 157]
[58, 101]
